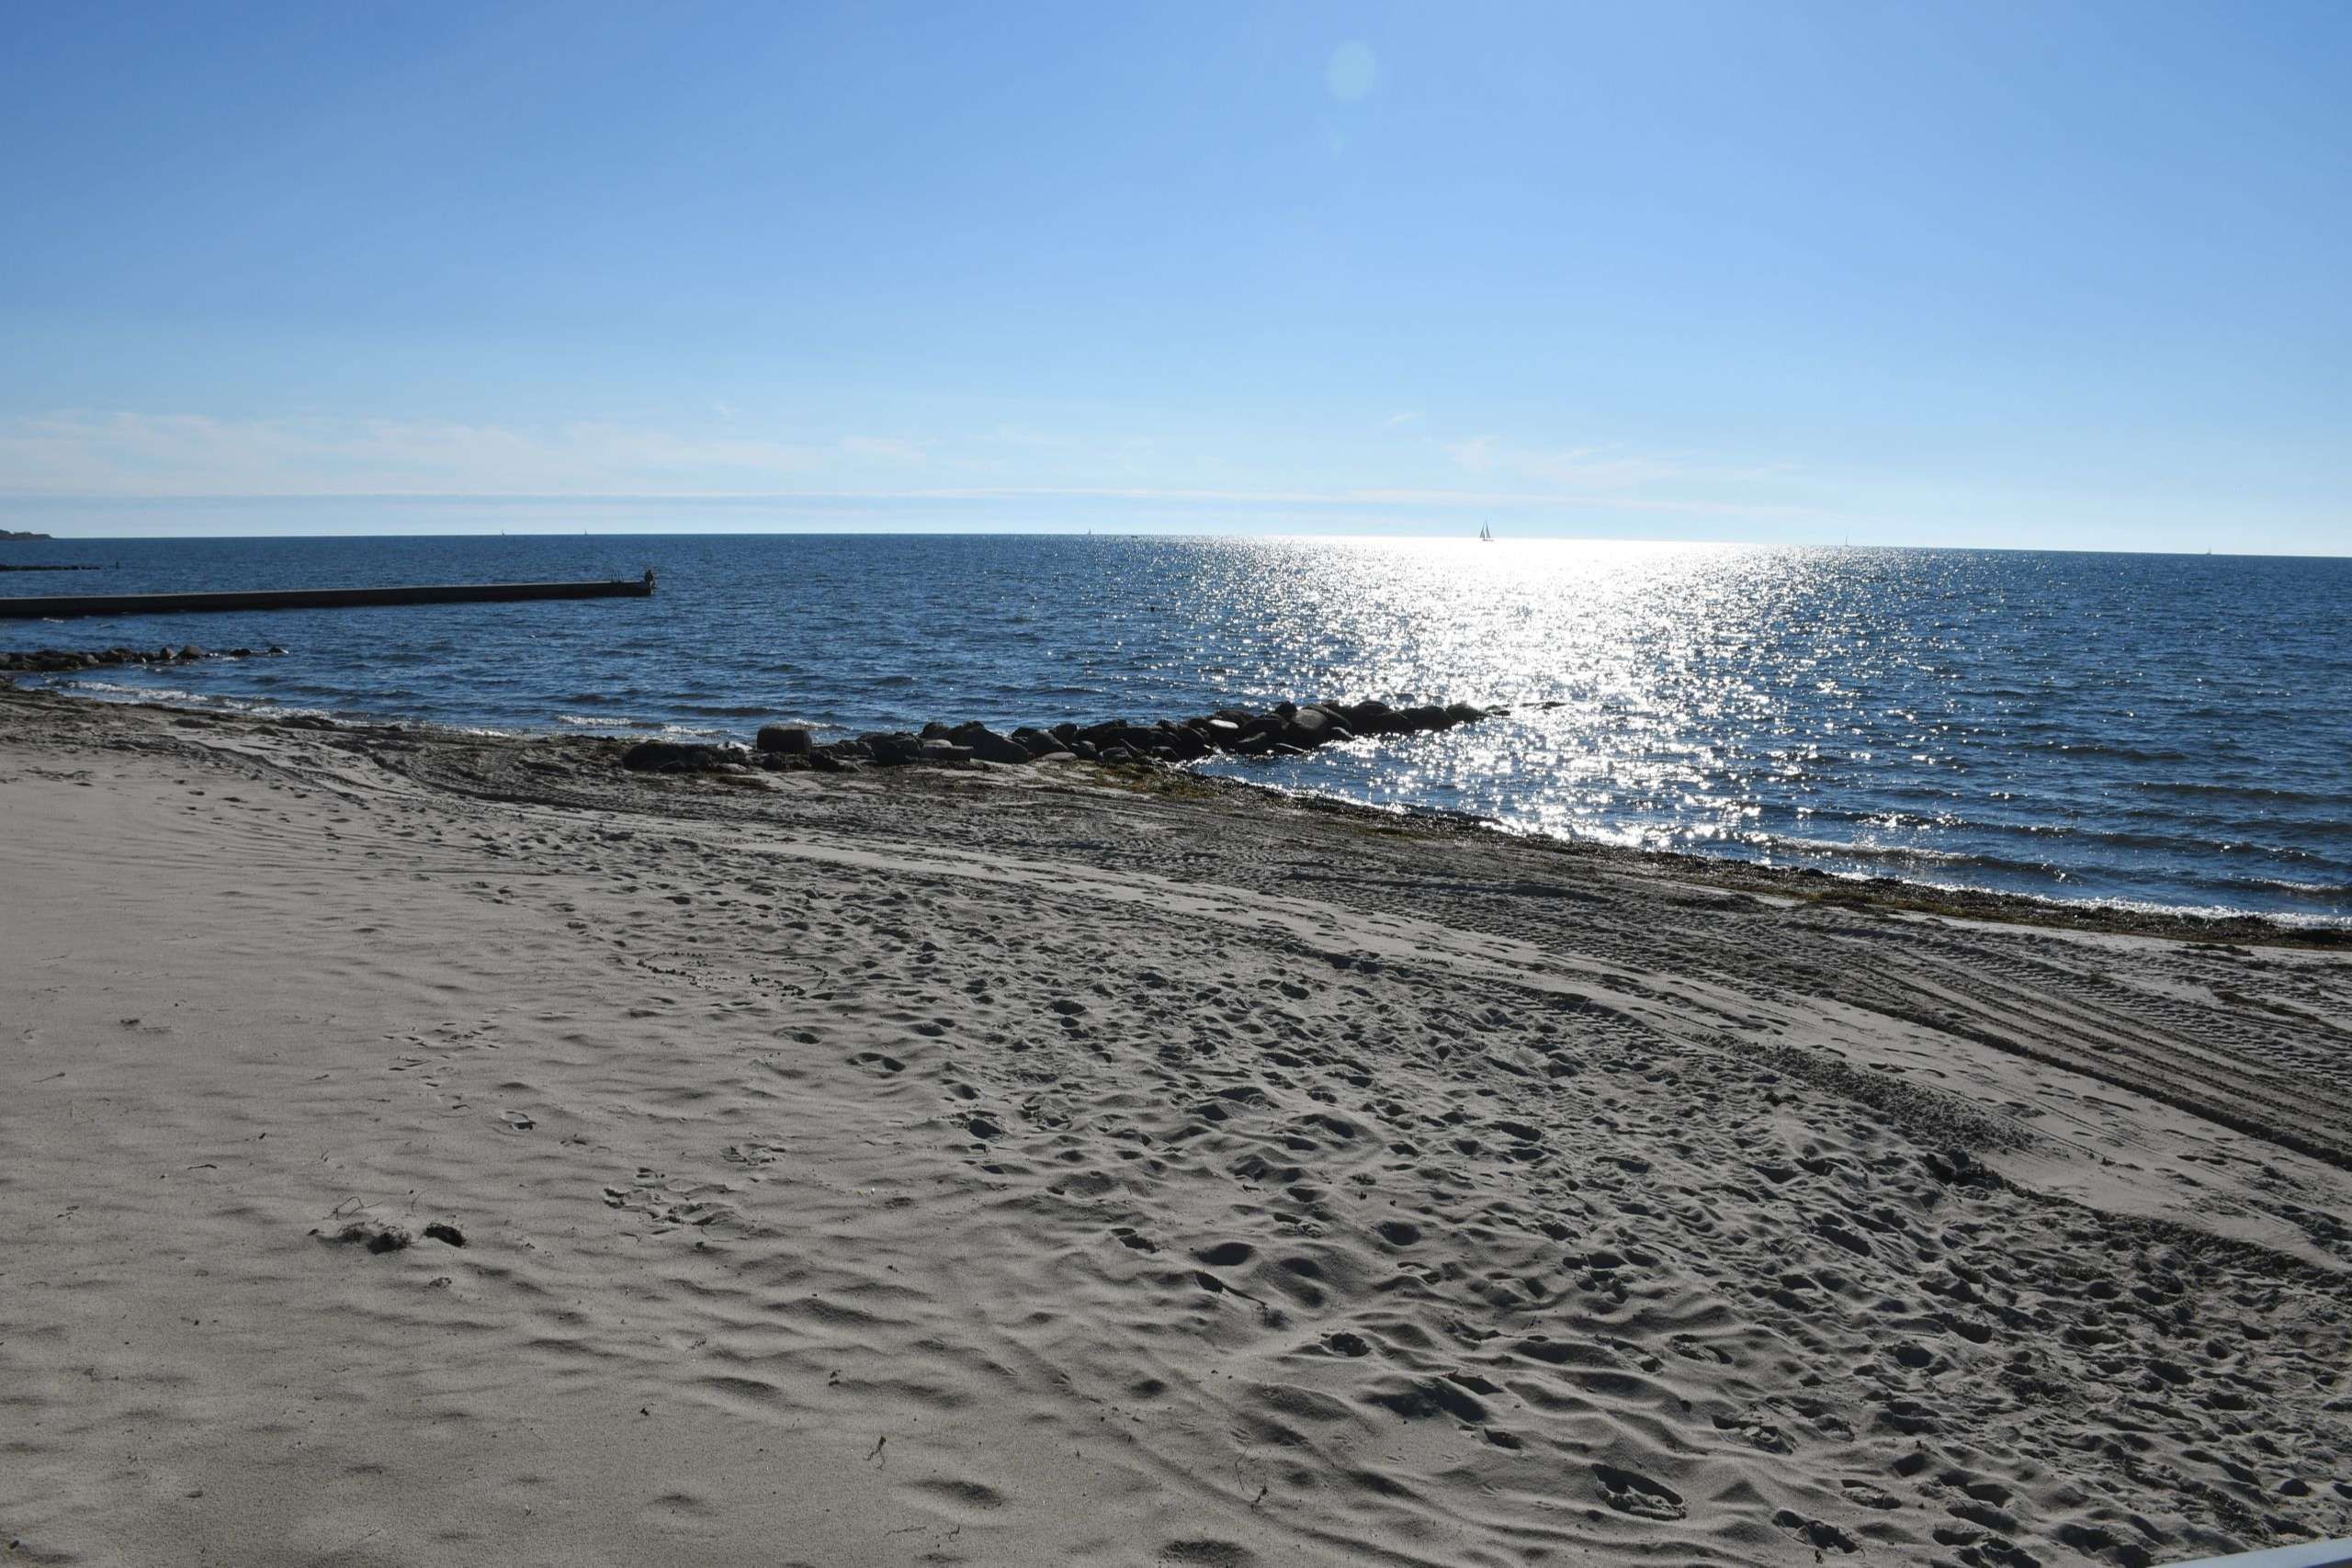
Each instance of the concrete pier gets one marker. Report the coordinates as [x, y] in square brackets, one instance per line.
[66, 604]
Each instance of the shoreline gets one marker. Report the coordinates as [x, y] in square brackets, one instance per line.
[441, 1147]
[2319, 932]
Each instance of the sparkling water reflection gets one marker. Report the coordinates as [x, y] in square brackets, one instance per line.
[2161, 729]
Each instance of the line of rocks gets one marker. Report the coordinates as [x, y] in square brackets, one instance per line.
[58, 660]
[1288, 729]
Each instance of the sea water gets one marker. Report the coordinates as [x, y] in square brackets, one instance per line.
[2160, 730]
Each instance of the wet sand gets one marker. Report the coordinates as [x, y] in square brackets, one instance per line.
[1020, 1166]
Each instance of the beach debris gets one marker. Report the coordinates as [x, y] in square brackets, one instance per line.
[443, 1232]
[373, 1234]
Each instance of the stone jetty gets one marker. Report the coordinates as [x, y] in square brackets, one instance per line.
[61, 604]
[62, 660]
[1286, 729]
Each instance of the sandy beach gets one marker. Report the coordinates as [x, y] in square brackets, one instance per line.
[428, 1148]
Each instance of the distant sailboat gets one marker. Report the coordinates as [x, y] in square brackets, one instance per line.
[1486, 535]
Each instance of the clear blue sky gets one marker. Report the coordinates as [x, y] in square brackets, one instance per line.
[1999, 272]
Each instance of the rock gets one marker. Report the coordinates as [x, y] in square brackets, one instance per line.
[1188, 745]
[894, 749]
[191, 651]
[1307, 727]
[438, 1231]
[989, 747]
[1288, 729]
[673, 757]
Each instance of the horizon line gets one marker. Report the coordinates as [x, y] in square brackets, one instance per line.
[1116, 533]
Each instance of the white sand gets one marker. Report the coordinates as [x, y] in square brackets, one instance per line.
[968, 1168]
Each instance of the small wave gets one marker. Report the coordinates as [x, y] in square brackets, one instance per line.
[1894, 854]
[2330, 799]
[2286, 885]
[116, 690]
[2123, 753]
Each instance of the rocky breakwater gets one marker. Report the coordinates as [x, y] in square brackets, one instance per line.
[1288, 729]
[62, 660]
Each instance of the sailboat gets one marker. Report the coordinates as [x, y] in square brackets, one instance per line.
[1486, 535]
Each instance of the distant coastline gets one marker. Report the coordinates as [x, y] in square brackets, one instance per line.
[20, 534]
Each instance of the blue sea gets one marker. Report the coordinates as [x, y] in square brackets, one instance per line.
[2153, 730]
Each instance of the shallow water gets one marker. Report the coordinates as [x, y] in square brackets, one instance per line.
[2165, 730]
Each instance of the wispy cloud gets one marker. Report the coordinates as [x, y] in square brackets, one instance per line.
[1586, 469]
[1398, 421]
[122, 458]
[888, 449]
[145, 454]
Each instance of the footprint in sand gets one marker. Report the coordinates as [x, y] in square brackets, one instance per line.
[1817, 1533]
[1638, 1494]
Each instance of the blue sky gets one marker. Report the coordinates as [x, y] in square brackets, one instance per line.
[1999, 273]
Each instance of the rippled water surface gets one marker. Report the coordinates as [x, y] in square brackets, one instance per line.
[2164, 729]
